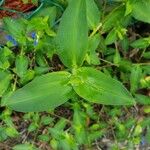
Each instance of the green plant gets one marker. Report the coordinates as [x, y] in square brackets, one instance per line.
[53, 89]
[77, 57]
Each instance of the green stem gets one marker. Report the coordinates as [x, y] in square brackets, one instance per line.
[109, 62]
[95, 30]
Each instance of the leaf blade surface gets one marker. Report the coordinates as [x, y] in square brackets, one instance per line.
[43, 93]
[96, 87]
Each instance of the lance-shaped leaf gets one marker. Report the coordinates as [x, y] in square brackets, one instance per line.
[43, 93]
[97, 87]
[141, 10]
[21, 65]
[93, 14]
[72, 35]
[5, 79]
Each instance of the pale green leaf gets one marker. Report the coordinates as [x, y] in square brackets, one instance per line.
[43, 93]
[97, 87]
[72, 35]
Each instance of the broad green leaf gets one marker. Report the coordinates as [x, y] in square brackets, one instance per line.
[43, 93]
[4, 81]
[93, 14]
[97, 87]
[141, 10]
[72, 38]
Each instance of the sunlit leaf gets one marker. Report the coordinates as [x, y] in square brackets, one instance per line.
[97, 87]
[72, 38]
[43, 93]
